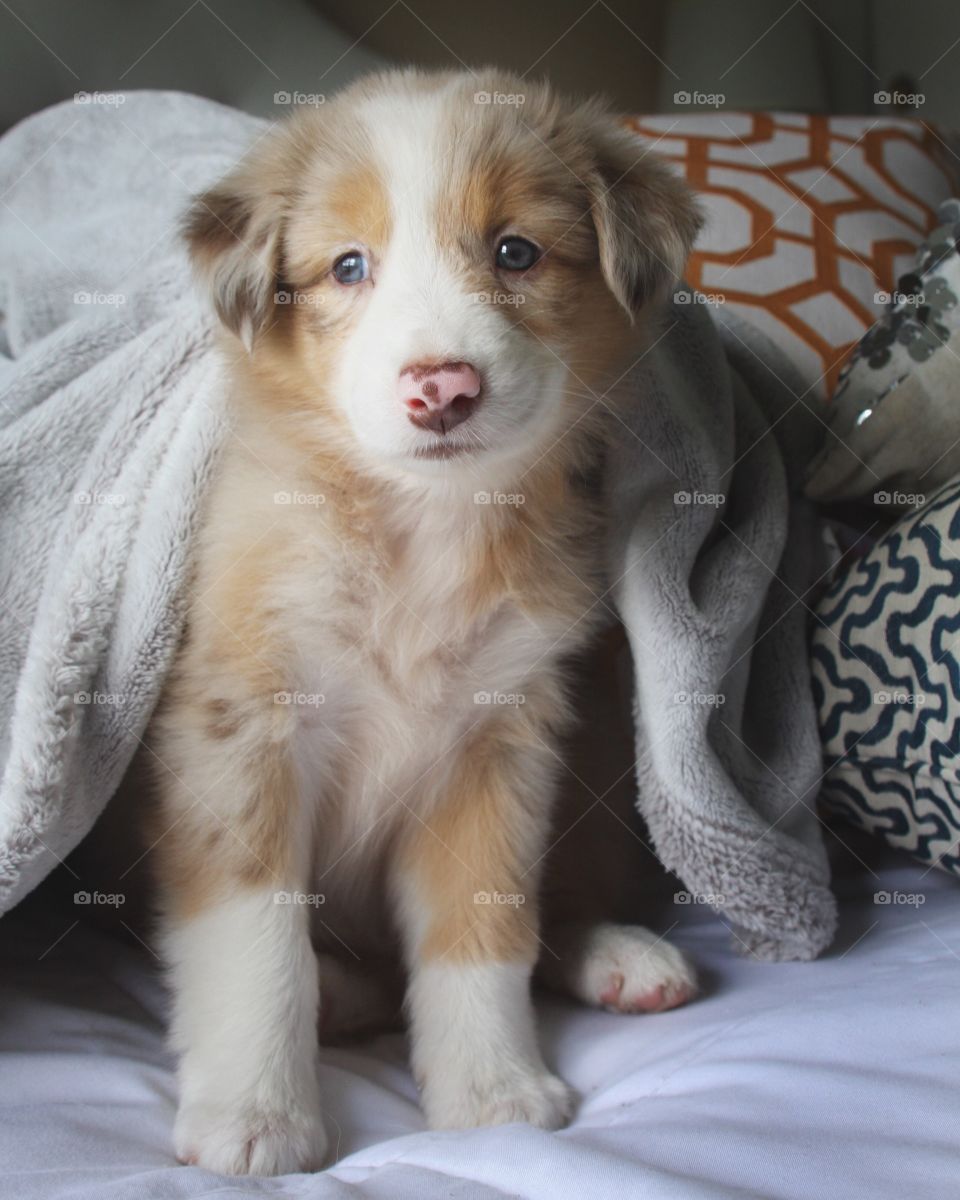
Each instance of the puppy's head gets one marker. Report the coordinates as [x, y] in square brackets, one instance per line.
[454, 266]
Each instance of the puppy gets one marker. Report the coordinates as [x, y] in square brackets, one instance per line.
[430, 302]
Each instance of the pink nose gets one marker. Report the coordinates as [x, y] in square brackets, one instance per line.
[439, 396]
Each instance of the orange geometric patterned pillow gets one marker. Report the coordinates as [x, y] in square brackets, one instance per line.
[809, 219]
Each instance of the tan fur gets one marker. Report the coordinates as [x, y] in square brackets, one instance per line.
[485, 840]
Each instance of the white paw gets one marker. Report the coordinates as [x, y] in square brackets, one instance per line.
[628, 969]
[530, 1095]
[231, 1140]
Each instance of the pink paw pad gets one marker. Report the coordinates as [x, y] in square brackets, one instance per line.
[658, 999]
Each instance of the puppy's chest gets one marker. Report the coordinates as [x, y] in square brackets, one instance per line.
[419, 639]
[405, 655]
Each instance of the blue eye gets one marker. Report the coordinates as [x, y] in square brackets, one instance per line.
[516, 254]
[351, 268]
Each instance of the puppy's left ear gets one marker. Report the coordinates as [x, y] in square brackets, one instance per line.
[646, 219]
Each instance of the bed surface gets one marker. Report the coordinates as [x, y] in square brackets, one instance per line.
[834, 1079]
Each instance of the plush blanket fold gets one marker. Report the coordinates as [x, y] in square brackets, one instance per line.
[111, 415]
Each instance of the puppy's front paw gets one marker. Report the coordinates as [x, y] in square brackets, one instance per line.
[233, 1140]
[534, 1096]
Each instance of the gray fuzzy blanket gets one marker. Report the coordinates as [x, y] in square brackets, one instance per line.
[111, 414]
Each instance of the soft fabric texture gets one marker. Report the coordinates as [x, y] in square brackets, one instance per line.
[113, 414]
[832, 1080]
[895, 416]
[887, 680]
[807, 218]
[710, 580]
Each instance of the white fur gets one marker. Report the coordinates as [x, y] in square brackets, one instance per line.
[475, 1052]
[244, 1022]
[419, 309]
[625, 968]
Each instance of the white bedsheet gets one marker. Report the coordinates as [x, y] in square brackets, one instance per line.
[834, 1079]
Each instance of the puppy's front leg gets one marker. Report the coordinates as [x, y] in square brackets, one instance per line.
[244, 974]
[469, 909]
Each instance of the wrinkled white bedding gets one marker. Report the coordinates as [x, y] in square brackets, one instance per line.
[835, 1079]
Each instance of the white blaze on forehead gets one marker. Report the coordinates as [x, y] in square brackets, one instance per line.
[412, 150]
[420, 307]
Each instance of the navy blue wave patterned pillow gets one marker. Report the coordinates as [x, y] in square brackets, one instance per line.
[886, 668]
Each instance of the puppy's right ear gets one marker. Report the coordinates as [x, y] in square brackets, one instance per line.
[234, 233]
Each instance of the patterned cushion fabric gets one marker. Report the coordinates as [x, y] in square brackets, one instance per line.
[886, 666]
[896, 411]
[808, 218]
